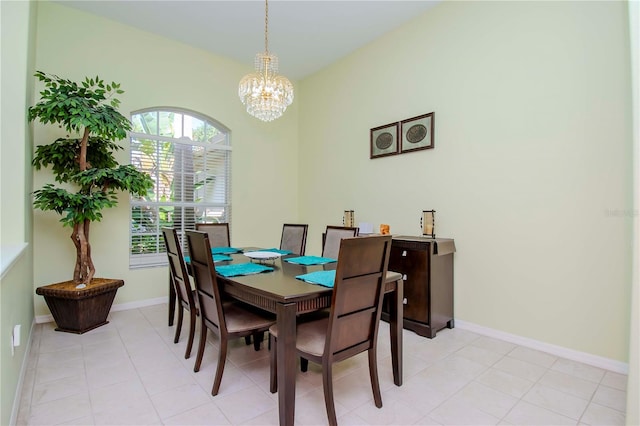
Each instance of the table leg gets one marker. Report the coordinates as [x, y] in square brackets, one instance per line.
[172, 301]
[286, 317]
[395, 324]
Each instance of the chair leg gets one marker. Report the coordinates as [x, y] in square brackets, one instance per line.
[201, 345]
[257, 340]
[273, 364]
[192, 332]
[222, 358]
[247, 340]
[179, 324]
[373, 374]
[327, 384]
[304, 365]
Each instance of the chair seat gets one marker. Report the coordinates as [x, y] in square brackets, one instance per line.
[310, 336]
[393, 276]
[239, 319]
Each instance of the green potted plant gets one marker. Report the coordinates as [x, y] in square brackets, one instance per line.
[82, 160]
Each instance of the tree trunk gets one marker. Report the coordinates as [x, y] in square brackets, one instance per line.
[84, 269]
[76, 242]
[82, 160]
[91, 270]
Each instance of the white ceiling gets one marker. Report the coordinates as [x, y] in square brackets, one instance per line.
[307, 35]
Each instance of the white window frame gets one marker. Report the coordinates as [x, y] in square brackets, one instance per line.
[221, 142]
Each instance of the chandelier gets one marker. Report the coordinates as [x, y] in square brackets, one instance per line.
[265, 93]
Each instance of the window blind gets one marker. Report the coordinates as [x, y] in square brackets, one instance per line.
[189, 160]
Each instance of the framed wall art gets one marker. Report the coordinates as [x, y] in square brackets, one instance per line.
[384, 140]
[417, 133]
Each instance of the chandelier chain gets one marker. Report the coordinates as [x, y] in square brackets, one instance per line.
[266, 26]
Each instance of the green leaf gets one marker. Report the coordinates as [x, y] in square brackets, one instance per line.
[89, 105]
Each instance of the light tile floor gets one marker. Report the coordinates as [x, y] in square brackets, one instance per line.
[130, 372]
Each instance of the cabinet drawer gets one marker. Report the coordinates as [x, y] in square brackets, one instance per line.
[414, 264]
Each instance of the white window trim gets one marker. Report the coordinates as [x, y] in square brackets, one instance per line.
[149, 260]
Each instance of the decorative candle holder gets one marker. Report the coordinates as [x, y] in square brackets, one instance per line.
[428, 223]
[349, 218]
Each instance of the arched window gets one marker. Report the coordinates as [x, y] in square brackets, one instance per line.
[188, 156]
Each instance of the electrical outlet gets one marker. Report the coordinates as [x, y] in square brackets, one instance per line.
[15, 338]
[16, 335]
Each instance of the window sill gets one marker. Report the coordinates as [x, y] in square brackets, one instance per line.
[9, 254]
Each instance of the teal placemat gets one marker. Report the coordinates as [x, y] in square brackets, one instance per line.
[310, 260]
[273, 250]
[242, 269]
[225, 250]
[216, 258]
[221, 257]
[324, 278]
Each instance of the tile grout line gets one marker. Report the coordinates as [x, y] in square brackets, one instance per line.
[86, 379]
[169, 348]
[188, 370]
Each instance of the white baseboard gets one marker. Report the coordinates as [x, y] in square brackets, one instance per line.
[23, 371]
[41, 319]
[586, 358]
[140, 304]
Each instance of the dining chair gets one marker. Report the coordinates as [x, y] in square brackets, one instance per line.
[331, 239]
[218, 237]
[227, 319]
[185, 296]
[352, 325]
[218, 233]
[294, 238]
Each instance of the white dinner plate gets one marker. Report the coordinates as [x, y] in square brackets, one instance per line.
[263, 255]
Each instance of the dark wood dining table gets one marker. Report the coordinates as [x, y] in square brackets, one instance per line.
[281, 293]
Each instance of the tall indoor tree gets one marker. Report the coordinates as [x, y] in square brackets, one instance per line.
[84, 159]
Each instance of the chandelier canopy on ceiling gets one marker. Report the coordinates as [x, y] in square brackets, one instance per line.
[266, 94]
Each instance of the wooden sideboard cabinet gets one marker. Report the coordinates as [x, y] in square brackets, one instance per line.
[426, 265]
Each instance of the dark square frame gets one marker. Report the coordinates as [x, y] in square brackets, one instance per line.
[416, 133]
[384, 140]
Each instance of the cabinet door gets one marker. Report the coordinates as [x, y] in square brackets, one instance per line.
[415, 265]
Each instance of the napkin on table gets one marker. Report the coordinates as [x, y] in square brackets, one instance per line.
[272, 250]
[310, 260]
[242, 269]
[324, 278]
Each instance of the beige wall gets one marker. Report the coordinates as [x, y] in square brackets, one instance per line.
[633, 389]
[14, 128]
[531, 171]
[154, 71]
[16, 276]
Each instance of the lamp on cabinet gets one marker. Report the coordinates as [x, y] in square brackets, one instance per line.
[428, 223]
[349, 218]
